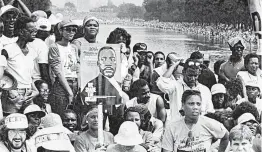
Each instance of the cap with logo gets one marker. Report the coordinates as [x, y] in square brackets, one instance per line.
[16, 121]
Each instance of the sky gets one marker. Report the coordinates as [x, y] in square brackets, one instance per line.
[60, 3]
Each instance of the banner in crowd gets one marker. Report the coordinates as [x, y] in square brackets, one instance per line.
[100, 73]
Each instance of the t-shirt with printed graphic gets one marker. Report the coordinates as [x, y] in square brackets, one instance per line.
[179, 138]
[68, 56]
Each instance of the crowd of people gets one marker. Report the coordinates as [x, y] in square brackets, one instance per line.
[163, 102]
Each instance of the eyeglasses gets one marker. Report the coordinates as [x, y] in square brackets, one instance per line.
[251, 88]
[197, 64]
[69, 30]
[13, 133]
[34, 30]
[44, 90]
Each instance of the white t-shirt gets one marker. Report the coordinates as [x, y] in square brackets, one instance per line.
[68, 56]
[175, 89]
[41, 50]
[19, 65]
[6, 40]
[247, 77]
[3, 61]
[176, 136]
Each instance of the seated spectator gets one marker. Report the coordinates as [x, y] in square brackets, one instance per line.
[252, 71]
[42, 99]
[192, 132]
[245, 107]
[253, 95]
[240, 138]
[218, 92]
[234, 93]
[140, 94]
[249, 120]
[149, 123]
[13, 134]
[34, 115]
[127, 139]
[132, 114]
[88, 140]
[69, 119]
[206, 77]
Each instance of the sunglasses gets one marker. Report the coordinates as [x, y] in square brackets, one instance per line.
[44, 90]
[68, 29]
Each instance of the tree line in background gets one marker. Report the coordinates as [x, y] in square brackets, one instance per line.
[34, 5]
[207, 12]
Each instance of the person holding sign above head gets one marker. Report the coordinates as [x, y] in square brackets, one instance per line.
[62, 59]
[106, 86]
[193, 132]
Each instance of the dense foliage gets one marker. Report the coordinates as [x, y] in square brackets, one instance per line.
[34, 5]
[229, 12]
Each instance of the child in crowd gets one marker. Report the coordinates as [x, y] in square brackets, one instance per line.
[240, 138]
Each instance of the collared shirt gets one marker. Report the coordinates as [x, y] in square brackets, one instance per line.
[231, 69]
[175, 89]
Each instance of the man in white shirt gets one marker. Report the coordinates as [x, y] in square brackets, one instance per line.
[20, 63]
[41, 68]
[175, 88]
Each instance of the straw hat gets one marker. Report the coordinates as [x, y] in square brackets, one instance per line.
[128, 134]
[16, 121]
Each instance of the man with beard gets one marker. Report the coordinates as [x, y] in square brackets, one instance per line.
[20, 60]
[229, 69]
[14, 134]
[106, 85]
[140, 94]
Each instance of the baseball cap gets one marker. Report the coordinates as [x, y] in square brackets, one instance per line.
[8, 8]
[233, 41]
[34, 109]
[139, 46]
[39, 14]
[218, 88]
[86, 19]
[245, 118]
[65, 23]
[16, 121]
[43, 24]
[253, 84]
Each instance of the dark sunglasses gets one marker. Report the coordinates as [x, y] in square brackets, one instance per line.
[68, 29]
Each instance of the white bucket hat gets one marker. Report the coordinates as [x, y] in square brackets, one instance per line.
[16, 121]
[128, 134]
[34, 109]
[218, 88]
[245, 118]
